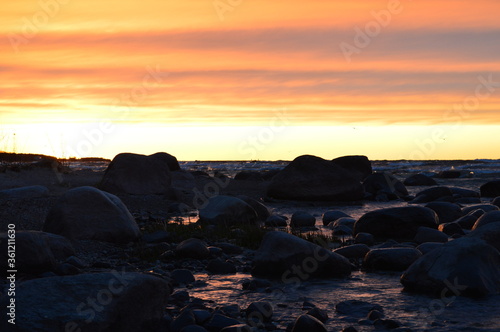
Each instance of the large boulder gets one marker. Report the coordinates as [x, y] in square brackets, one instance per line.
[308, 323]
[168, 160]
[310, 178]
[419, 180]
[261, 210]
[390, 259]
[490, 189]
[487, 218]
[333, 215]
[285, 256]
[227, 210]
[447, 212]
[384, 186]
[355, 251]
[33, 254]
[360, 166]
[137, 174]
[115, 301]
[466, 266]
[399, 223]
[433, 194]
[426, 234]
[490, 233]
[302, 219]
[29, 192]
[88, 213]
[484, 207]
[468, 220]
[192, 248]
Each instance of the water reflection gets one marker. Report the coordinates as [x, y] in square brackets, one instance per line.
[414, 311]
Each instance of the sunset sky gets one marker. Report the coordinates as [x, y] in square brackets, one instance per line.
[251, 79]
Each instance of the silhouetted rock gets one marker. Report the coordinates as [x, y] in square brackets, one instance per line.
[432, 194]
[91, 214]
[29, 192]
[419, 180]
[384, 187]
[464, 193]
[33, 252]
[276, 221]
[302, 219]
[484, 207]
[447, 212]
[279, 252]
[218, 266]
[249, 176]
[137, 174]
[227, 210]
[496, 201]
[390, 259]
[310, 178]
[451, 228]
[192, 248]
[399, 223]
[121, 302]
[364, 238]
[183, 276]
[426, 234]
[487, 218]
[355, 251]
[261, 210]
[490, 189]
[466, 266]
[331, 216]
[309, 323]
[168, 160]
[424, 248]
[360, 166]
[219, 322]
[468, 221]
[261, 311]
[356, 308]
[490, 233]
[449, 174]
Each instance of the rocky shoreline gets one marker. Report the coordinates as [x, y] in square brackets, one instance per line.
[122, 249]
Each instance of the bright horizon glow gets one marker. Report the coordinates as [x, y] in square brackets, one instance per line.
[183, 78]
[258, 142]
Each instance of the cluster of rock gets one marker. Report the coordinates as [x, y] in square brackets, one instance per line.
[440, 247]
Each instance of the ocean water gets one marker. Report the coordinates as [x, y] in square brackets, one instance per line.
[417, 312]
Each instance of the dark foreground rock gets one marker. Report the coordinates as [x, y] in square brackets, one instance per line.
[33, 253]
[91, 214]
[490, 189]
[285, 256]
[487, 218]
[400, 223]
[433, 194]
[310, 178]
[466, 266]
[137, 174]
[307, 323]
[391, 259]
[360, 166]
[89, 303]
[419, 180]
[384, 187]
[227, 210]
[29, 192]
